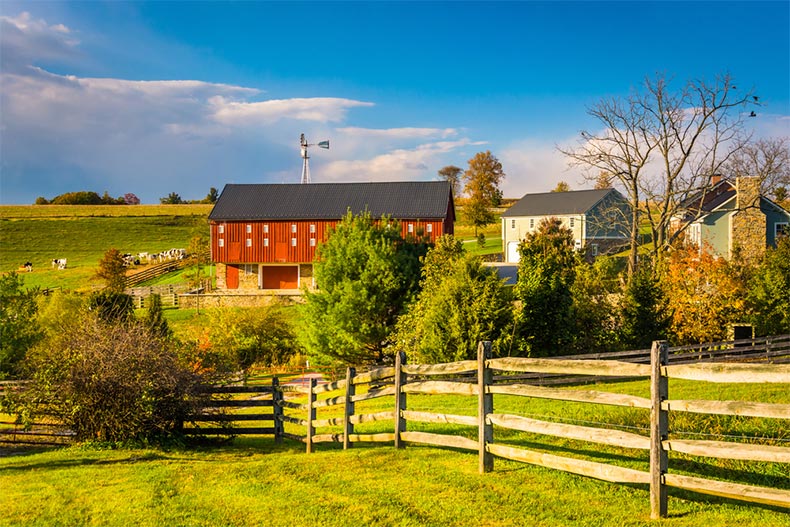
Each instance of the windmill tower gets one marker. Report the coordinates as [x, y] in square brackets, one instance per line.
[305, 163]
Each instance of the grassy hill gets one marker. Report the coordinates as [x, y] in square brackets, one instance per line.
[83, 233]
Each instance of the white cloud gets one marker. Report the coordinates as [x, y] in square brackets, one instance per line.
[318, 109]
[534, 166]
[25, 40]
[398, 133]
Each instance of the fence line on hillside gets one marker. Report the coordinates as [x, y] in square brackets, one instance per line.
[395, 383]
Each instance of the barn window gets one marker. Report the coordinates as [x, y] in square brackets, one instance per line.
[266, 242]
[293, 227]
[249, 228]
[293, 242]
[429, 227]
[312, 242]
[222, 229]
[266, 228]
[411, 228]
[221, 242]
[312, 228]
[249, 242]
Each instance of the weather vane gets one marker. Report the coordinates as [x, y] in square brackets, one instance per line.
[305, 165]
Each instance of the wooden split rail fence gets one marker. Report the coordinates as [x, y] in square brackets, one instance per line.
[398, 382]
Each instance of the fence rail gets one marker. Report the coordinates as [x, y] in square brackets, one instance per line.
[479, 381]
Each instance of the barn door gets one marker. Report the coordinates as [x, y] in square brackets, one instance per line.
[232, 277]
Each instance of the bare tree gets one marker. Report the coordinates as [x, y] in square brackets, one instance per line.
[661, 146]
[767, 159]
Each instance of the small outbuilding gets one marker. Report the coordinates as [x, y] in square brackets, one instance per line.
[264, 236]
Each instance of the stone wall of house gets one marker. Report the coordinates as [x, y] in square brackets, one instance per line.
[748, 224]
[220, 275]
[248, 277]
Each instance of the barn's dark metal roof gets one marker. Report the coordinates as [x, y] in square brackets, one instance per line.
[331, 201]
[556, 203]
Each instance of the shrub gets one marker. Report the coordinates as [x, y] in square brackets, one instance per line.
[110, 382]
[243, 337]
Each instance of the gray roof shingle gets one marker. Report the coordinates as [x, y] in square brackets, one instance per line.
[328, 201]
[556, 203]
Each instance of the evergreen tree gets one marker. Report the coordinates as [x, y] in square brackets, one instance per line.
[154, 317]
[643, 311]
[546, 272]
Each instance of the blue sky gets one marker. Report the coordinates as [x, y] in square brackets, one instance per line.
[161, 97]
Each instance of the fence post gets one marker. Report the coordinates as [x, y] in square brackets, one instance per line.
[277, 410]
[659, 429]
[348, 426]
[310, 414]
[485, 406]
[400, 397]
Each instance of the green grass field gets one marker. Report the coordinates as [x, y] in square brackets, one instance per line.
[251, 481]
[82, 234]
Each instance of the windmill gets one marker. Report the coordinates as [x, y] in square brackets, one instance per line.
[305, 164]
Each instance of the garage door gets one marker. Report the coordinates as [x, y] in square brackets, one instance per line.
[280, 277]
[512, 252]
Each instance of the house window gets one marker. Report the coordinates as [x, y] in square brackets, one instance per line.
[266, 228]
[594, 249]
[512, 224]
[532, 223]
[312, 228]
[572, 220]
[312, 242]
[249, 242]
[293, 228]
[429, 227]
[293, 242]
[249, 228]
[411, 228]
[221, 242]
[781, 230]
[222, 229]
[266, 242]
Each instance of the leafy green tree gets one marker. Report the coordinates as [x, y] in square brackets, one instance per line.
[643, 310]
[212, 196]
[482, 180]
[768, 297]
[171, 199]
[112, 269]
[594, 310]
[18, 327]
[452, 174]
[546, 272]
[365, 274]
[77, 198]
[461, 303]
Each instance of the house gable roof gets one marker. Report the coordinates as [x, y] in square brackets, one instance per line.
[331, 201]
[558, 203]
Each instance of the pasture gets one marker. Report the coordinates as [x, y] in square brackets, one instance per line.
[82, 234]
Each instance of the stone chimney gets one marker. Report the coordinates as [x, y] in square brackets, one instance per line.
[748, 227]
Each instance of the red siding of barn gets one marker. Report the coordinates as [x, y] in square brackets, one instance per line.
[290, 241]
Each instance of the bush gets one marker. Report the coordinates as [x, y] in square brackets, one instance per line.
[243, 337]
[110, 382]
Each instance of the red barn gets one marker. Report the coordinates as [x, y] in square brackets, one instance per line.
[264, 236]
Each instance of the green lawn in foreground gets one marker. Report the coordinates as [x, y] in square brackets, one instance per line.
[252, 482]
[255, 483]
